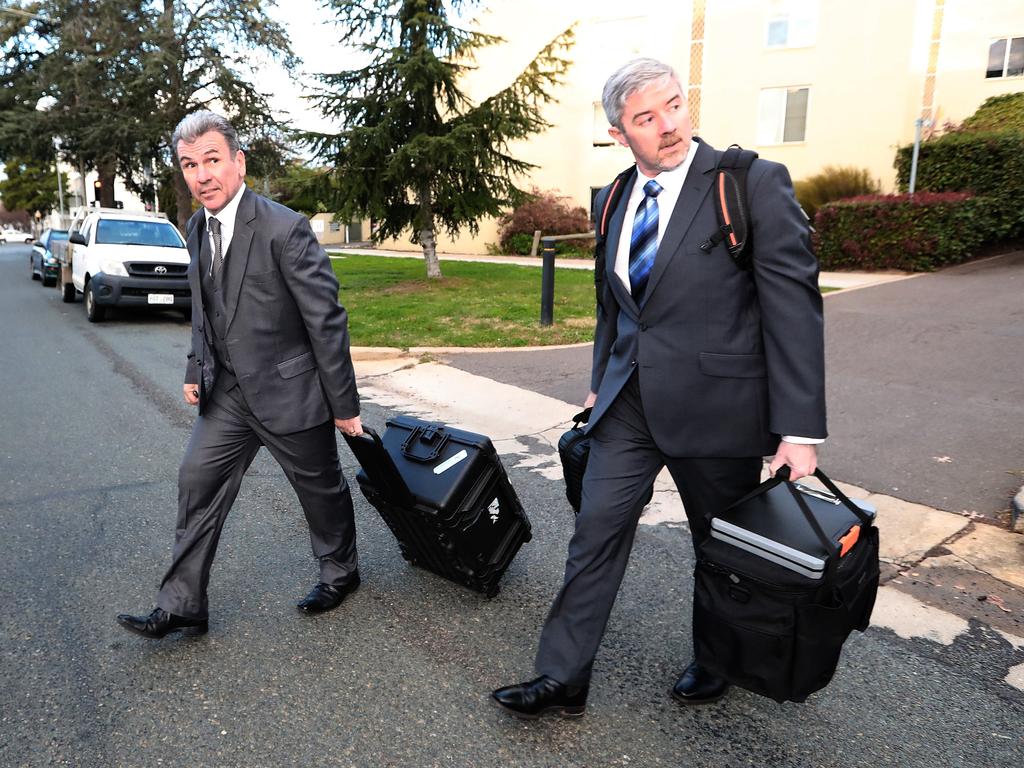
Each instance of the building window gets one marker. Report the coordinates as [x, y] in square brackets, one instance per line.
[335, 226]
[782, 115]
[1006, 57]
[792, 24]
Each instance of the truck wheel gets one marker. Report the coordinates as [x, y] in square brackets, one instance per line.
[93, 311]
[67, 291]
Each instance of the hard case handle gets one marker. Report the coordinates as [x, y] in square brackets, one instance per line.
[425, 443]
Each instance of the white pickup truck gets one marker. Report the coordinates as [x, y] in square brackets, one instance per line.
[116, 258]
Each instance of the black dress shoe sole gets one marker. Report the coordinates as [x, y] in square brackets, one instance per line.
[194, 631]
[694, 702]
[568, 713]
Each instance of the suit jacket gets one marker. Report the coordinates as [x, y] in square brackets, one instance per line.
[286, 332]
[728, 360]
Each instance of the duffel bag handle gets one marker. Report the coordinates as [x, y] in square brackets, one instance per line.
[582, 417]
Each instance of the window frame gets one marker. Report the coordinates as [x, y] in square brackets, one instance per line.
[1008, 39]
[781, 129]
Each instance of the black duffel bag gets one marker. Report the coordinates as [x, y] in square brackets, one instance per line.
[769, 628]
[574, 451]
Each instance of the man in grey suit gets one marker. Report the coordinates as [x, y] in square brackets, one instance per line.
[698, 366]
[269, 366]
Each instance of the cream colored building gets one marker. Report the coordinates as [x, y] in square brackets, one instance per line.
[808, 83]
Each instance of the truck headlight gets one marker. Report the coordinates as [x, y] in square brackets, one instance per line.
[115, 268]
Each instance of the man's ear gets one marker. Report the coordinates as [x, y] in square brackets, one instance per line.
[618, 135]
[240, 160]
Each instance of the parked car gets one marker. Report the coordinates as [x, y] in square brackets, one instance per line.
[12, 235]
[115, 258]
[43, 262]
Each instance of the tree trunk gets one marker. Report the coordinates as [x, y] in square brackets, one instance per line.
[183, 198]
[106, 179]
[430, 253]
[427, 238]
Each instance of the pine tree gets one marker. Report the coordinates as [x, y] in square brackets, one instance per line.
[414, 151]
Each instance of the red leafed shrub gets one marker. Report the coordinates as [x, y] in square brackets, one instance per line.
[917, 233]
[550, 212]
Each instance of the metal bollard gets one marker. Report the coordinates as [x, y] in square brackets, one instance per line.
[547, 282]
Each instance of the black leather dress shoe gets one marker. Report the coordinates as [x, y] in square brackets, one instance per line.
[698, 686]
[325, 597]
[530, 700]
[160, 623]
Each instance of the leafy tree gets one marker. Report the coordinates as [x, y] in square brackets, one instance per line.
[120, 74]
[30, 186]
[208, 57]
[414, 151]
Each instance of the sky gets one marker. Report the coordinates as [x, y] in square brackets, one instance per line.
[315, 40]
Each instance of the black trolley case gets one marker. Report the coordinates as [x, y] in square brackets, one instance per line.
[445, 496]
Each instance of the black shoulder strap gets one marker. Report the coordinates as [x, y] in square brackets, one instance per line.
[731, 206]
[602, 214]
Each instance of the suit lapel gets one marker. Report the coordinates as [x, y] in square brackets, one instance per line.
[194, 243]
[696, 186]
[241, 240]
[611, 250]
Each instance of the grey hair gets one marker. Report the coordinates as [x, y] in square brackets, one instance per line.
[631, 77]
[196, 124]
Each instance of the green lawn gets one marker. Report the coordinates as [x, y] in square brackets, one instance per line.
[392, 304]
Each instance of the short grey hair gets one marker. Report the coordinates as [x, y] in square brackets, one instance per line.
[631, 77]
[196, 124]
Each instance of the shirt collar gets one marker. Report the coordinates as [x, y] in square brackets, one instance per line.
[671, 181]
[226, 216]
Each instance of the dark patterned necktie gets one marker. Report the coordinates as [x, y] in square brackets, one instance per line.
[218, 253]
[643, 245]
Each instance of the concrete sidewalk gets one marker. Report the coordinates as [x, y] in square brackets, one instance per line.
[839, 280]
[961, 566]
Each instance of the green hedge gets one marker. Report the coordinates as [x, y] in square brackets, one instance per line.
[989, 165]
[919, 233]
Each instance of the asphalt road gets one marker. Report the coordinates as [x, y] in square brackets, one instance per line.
[925, 385]
[93, 430]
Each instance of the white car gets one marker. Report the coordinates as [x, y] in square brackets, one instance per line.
[116, 258]
[11, 235]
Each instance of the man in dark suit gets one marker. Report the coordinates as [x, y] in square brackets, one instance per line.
[698, 366]
[269, 366]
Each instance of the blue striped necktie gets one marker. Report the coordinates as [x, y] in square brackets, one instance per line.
[643, 245]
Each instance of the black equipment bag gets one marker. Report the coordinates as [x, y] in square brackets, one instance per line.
[574, 451]
[445, 496]
[769, 628]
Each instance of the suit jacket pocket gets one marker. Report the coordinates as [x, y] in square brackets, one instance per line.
[294, 366]
[262, 277]
[732, 366]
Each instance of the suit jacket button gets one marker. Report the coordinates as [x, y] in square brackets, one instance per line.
[643, 326]
[632, 362]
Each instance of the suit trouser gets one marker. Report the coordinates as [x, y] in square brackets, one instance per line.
[224, 442]
[623, 463]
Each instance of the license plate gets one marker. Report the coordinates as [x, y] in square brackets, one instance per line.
[161, 298]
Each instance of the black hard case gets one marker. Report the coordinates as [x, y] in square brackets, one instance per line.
[445, 496]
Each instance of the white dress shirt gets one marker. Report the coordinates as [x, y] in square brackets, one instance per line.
[226, 217]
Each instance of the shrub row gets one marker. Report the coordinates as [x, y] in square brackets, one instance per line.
[988, 165]
[918, 233]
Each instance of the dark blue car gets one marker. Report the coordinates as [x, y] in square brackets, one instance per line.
[44, 264]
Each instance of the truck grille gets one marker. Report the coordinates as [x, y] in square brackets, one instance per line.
[156, 270]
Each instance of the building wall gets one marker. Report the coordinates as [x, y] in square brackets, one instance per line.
[867, 72]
